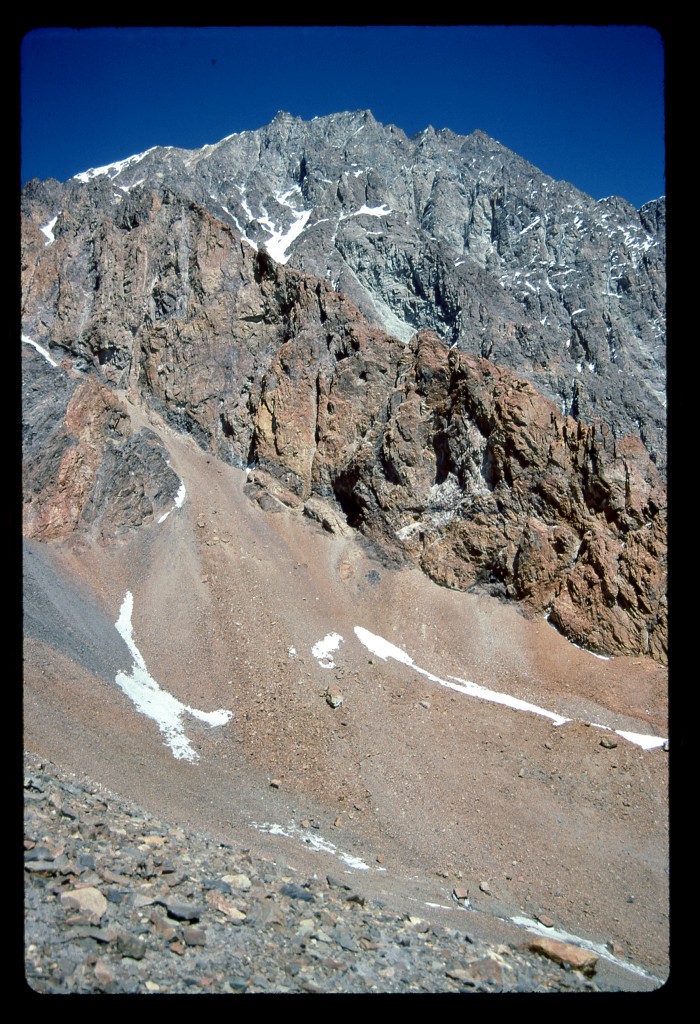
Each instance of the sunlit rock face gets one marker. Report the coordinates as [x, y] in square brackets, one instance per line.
[459, 356]
[453, 233]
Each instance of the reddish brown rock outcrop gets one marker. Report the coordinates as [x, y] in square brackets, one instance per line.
[481, 482]
[441, 456]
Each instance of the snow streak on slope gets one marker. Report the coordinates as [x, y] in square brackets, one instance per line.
[40, 349]
[112, 170]
[559, 935]
[384, 649]
[47, 230]
[151, 700]
[179, 502]
[280, 242]
[316, 842]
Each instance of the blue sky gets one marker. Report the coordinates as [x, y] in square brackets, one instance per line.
[583, 103]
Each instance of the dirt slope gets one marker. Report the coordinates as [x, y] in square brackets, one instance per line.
[446, 789]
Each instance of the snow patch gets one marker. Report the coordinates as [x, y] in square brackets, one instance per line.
[40, 349]
[47, 230]
[642, 739]
[530, 226]
[381, 647]
[179, 501]
[280, 241]
[151, 700]
[322, 650]
[315, 841]
[384, 649]
[112, 170]
[368, 211]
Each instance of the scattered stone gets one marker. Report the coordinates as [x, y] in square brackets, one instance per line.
[131, 945]
[564, 953]
[181, 910]
[103, 974]
[41, 866]
[335, 884]
[85, 931]
[334, 698]
[485, 887]
[41, 853]
[194, 936]
[266, 913]
[275, 783]
[485, 971]
[89, 902]
[225, 906]
[296, 892]
[608, 742]
[545, 920]
[344, 943]
[239, 881]
[154, 840]
[329, 519]
[162, 927]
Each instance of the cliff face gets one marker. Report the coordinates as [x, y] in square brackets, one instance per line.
[455, 234]
[437, 454]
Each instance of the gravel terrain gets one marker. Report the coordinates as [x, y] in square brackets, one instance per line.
[119, 901]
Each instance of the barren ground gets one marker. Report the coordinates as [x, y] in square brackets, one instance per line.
[444, 788]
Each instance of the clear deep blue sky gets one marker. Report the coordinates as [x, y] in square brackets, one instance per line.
[583, 103]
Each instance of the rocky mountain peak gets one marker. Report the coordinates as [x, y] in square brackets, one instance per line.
[463, 357]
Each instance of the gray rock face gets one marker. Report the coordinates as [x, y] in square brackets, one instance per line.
[84, 466]
[452, 233]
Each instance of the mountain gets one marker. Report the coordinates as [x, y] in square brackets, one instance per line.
[467, 365]
[452, 233]
[315, 497]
